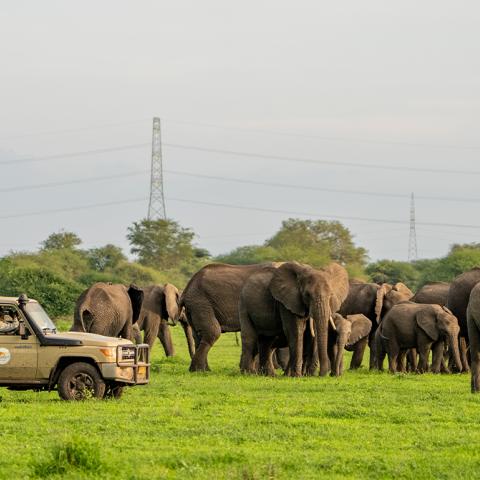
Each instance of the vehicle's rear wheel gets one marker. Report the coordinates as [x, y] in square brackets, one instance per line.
[80, 381]
[113, 390]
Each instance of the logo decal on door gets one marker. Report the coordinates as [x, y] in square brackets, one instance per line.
[4, 356]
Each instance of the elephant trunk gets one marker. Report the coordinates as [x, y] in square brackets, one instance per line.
[453, 344]
[321, 314]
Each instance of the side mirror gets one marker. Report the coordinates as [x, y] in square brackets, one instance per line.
[22, 330]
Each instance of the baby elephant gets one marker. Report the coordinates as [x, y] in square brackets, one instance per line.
[420, 326]
[351, 333]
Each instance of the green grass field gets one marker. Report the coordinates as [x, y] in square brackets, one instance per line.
[224, 425]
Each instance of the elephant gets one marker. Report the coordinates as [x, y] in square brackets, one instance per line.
[158, 306]
[108, 309]
[432, 292]
[420, 326]
[276, 306]
[210, 304]
[350, 333]
[457, 302]
[473, 324]
[373, 301]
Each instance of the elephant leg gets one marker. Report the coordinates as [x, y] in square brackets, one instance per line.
[151, 331]
[423, 353]
[437, 356]
[393, 352]
[265, 353]
[209, 332]
[474, 338]
[310, 357]
[358, 353]
[295, 329]
[412, 359]
[401, 368]
[165, 337]
[249, 342]
[127, 331]
[373, 346]
[189, 337]
[464, 354]
[137, 334]
[283, 357]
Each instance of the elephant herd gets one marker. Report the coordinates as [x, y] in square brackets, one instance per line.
[299, 318]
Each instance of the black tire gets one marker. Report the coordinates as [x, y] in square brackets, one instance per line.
[80, 381]
[114, 390]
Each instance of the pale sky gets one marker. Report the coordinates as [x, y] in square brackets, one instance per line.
[388, 83]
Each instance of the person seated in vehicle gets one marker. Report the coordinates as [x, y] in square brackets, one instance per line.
[8, 321]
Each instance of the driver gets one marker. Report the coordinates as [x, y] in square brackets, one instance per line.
[8, 321]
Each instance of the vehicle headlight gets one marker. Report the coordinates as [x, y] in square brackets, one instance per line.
[110, 353]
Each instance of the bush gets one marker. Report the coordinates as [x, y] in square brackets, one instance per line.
[56, 294]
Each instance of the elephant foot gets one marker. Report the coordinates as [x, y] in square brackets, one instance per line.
[199, 368]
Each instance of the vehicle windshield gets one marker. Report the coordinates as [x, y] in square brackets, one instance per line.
[40, 317]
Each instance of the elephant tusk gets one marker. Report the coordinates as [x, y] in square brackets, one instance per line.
[332, 323]
[312, 329]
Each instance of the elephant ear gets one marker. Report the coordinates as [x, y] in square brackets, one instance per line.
[381, 292]
[136, 297]
[171, 299]
[447, 310]
[361, 327]
[403, 289]
[427, 321]
[285, 287]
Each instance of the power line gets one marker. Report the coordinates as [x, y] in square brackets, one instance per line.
[328, 139]
[73, 209]
[311, 214]
[262, 131]
[243, 154]
[38, 186]
[320, 162]
[234, 180]
[60, 156]
[238, 207]
[74, 130]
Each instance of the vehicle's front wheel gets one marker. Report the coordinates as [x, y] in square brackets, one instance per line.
[80, 381]
[113, 390]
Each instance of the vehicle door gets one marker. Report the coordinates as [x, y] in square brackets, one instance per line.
[18, 356]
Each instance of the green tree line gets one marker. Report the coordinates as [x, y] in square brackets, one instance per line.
[164, 251]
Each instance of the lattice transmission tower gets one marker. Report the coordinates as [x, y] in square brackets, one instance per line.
[412, 240]
[156, 205]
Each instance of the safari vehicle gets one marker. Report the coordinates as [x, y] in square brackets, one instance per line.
[33, 356]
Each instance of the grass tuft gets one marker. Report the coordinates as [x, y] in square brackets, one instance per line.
[68, 457]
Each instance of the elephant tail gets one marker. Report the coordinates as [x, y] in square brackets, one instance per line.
[82, 317]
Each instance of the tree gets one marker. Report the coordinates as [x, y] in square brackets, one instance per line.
[61, 241]
[105, 257]
[391, 271]
[317, 242]
[161, 243]
[314, 242]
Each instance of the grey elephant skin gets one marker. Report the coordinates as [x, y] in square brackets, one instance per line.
[473, 324]
[160, 304]
[210, 302]
[420, 326]
[108, 309]
[373, 301]
[433, 292]
[279, 302]
[350, 333]
[457, 302]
